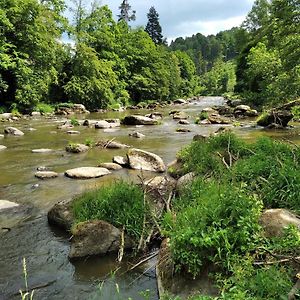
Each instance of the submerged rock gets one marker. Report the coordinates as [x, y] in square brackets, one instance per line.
[139, 120]
[96, 238]
[13, 131]
[136, 134]
[86, 172]
[274, 221]
[45, 174]
[143, 160]
[73, 132]
[42, 150]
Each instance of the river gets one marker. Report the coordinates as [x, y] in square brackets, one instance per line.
[46, 248]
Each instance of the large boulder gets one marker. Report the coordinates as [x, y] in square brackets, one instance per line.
[143, 160]
[274, 221]
[13, 131]
[61, 215]
[139, 120]
[96, 238]
[217, 119]
[86, 172]
[245, 110]
[70, 109]
[280, 117]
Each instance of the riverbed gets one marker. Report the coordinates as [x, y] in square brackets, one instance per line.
[46, 248]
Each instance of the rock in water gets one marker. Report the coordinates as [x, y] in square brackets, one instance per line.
[96, 238]
[136, 134]
[111, 166]
[120, 160]
[45, 174]
[61, 215]
[77, 148]
[13, 131]
[86, 172]
[143, 160]
[43, 150]
[2, 147]
[139, 120]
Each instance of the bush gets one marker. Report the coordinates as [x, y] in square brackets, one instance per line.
[44, 108]
[74, 122]
[213, 224]
[121, 204]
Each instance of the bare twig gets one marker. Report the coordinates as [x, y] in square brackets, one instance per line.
[121, 250]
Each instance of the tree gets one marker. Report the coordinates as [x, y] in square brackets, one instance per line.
[153, 27]
[125, 12]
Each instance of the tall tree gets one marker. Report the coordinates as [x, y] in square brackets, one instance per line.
[153, 27]
[125, 12]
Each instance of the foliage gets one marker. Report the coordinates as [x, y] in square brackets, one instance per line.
[213, 224]
[121, 204]
[296, 113]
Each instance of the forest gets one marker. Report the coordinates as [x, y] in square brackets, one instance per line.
[108, 63]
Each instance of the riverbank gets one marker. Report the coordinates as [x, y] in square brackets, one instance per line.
[18, 184]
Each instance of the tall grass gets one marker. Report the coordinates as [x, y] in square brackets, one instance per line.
[120, 203]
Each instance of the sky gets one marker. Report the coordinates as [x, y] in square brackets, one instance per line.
[187, 17]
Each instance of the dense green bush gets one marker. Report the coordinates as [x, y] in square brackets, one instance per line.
[120, 203]
[213, 224]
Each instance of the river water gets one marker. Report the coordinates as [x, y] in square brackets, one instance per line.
[46, 248]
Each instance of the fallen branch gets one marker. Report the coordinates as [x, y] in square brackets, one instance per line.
[121, 250]
[144, 260]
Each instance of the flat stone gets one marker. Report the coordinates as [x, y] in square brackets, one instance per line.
[183, 130]
[109, 144]
[2, 147]
[45, 174]
[5, 204]
[35, 114]
[13, 131]
[111, 166]
[86, 172]
[42, 150]
[104, 124]
[180, 115]
[144, 160]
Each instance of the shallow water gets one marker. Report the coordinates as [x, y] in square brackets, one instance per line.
[45, 248]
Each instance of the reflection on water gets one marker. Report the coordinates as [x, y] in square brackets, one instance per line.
[46, 249]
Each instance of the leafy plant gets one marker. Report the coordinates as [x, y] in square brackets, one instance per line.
[74, 122]
[44, 108]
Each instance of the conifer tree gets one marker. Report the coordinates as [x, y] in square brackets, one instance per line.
[153, 27]
[125, 12]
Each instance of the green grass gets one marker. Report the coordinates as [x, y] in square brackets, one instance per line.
[120, 203]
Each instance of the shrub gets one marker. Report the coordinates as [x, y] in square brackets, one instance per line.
[213, 223]
[203, 115]
[120, 203]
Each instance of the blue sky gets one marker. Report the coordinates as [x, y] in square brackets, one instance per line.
[187, 17]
